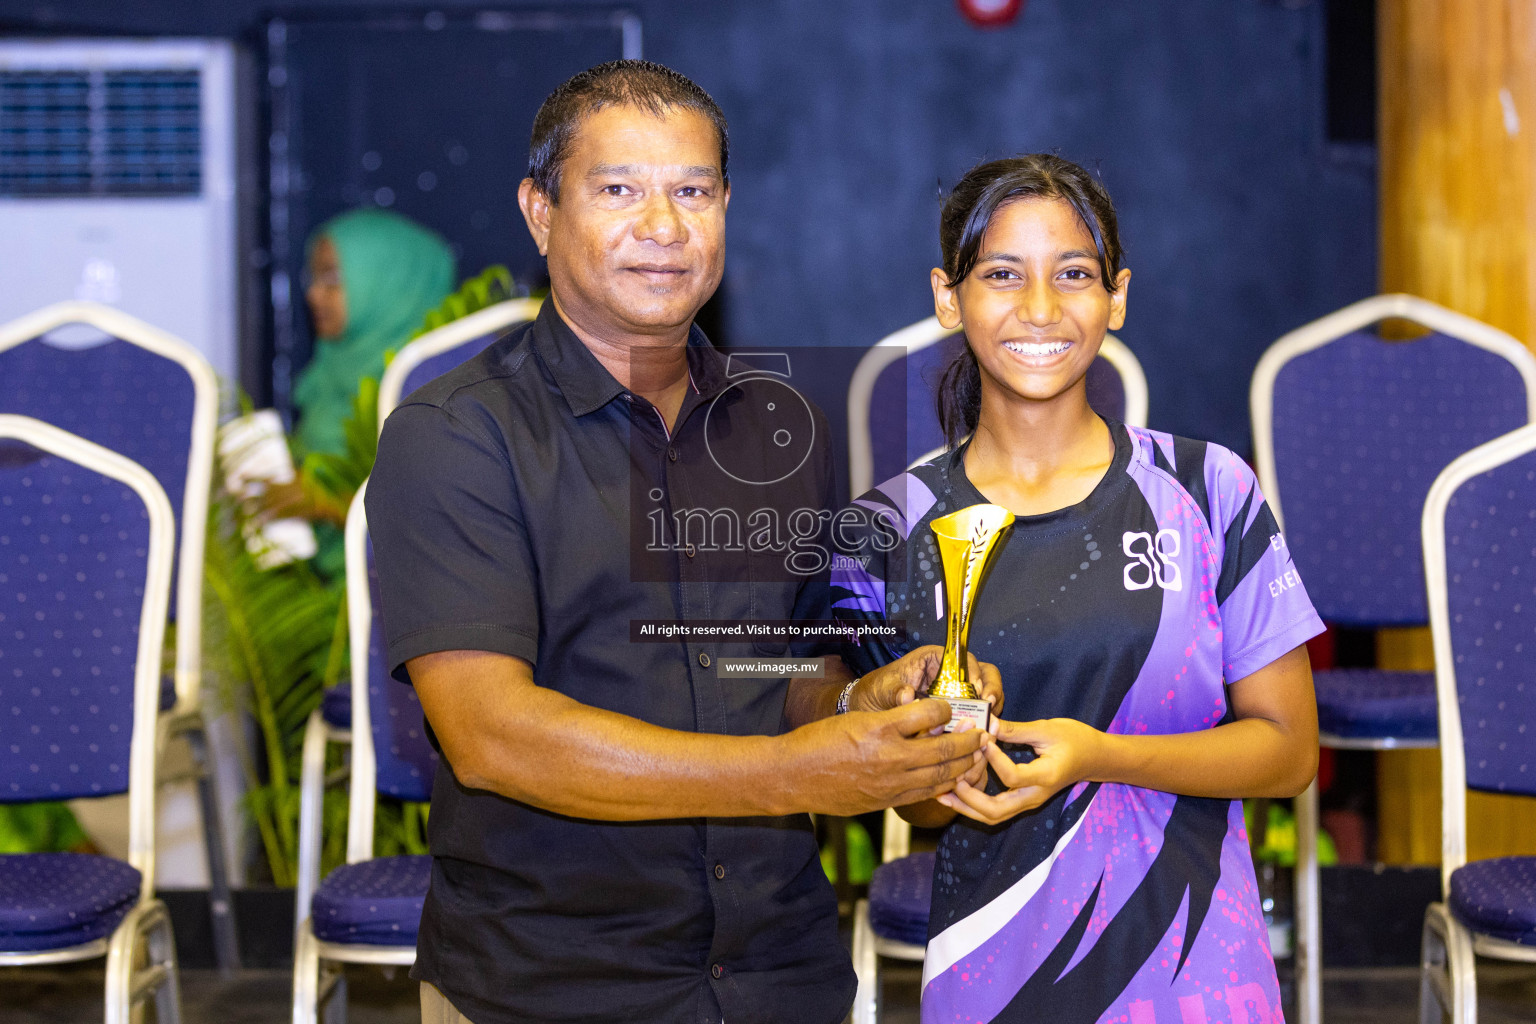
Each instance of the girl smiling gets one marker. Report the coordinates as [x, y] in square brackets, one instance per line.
[1151, 674]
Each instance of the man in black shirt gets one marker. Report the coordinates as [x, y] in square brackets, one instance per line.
[620, 831]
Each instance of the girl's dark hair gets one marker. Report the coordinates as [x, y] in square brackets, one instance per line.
[968, 210]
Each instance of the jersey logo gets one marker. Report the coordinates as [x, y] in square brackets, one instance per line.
[1152, 560]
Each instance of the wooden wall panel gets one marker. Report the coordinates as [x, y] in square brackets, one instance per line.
[1457, 120]
[1457, 124]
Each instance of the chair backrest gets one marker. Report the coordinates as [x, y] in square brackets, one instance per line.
[1350, 430]
[390, 750]
[86, 545]
[436, 352]
[891, 419]
[129, 387]
[1479, 536]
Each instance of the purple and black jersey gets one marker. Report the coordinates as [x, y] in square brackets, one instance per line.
[1130, 611]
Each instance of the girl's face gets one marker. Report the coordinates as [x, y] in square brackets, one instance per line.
[1034, 308]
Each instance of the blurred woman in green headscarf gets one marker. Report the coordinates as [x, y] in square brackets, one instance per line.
[373, 277]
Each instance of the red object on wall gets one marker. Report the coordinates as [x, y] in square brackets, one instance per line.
[1320, 650]
[990, 13]
[1325, 769]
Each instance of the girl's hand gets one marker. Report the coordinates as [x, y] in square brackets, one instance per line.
[884, 689]
[1066, 752]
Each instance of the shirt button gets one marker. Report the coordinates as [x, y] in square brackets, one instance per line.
[720, 871]
[672, 454]
[717, 970]
[690, 550]
[704, 659]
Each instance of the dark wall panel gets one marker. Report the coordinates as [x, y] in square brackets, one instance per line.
[423, 114]
[1206, 117]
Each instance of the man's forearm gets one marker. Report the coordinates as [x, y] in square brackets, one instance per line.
[553, 752]
[502, 732]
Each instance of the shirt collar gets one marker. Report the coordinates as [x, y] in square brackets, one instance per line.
[586, 383]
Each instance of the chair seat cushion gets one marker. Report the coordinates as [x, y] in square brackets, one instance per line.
[899, 896]
[1497, 897]
[58, 900]
[375, 902]
[336, 706]
[1369, 703]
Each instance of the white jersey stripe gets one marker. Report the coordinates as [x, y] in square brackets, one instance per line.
[967, 934]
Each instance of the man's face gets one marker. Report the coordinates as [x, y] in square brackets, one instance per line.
[637, 242]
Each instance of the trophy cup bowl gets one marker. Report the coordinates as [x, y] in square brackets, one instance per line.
[966, 540]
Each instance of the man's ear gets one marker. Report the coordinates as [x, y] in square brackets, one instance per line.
[536, 207]
[946, 304]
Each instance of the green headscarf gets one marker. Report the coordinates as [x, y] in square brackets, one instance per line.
[393, 272]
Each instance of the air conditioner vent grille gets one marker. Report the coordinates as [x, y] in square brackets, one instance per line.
[93, 132]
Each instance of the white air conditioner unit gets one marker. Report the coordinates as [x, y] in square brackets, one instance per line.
[117, 183]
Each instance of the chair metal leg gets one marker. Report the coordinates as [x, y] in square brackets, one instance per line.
[146, 929]
[306, 976]
[311, 817]
[1434, 971]
[117, 1009]
[119, 983]
[162, 950]
[1463, 970]
[226, 944]
[1448, 970]
[333, 994]
[1308, 943]
[866, 968]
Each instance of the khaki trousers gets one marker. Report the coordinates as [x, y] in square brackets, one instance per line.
[436, 1009]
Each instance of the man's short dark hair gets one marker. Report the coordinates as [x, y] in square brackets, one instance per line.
[636, 83]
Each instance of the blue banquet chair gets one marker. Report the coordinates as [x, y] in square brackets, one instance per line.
[891, 426]
[86, 544]
[438, 351]
[1349, 431]
[893, 920]
[891, 419]
[138, 391]
[368, 910]
[424, 358]
[1479, 532]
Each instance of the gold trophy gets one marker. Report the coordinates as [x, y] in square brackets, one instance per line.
[967, 539]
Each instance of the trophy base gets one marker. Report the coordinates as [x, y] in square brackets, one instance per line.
[977, 712]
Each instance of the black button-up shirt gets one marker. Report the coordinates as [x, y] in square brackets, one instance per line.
[527, 504]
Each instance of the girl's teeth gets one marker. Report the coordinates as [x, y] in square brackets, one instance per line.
[1031, 348]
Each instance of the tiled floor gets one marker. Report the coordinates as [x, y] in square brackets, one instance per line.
[1506, 994]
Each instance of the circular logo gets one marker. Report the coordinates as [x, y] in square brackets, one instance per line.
[789, 430]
